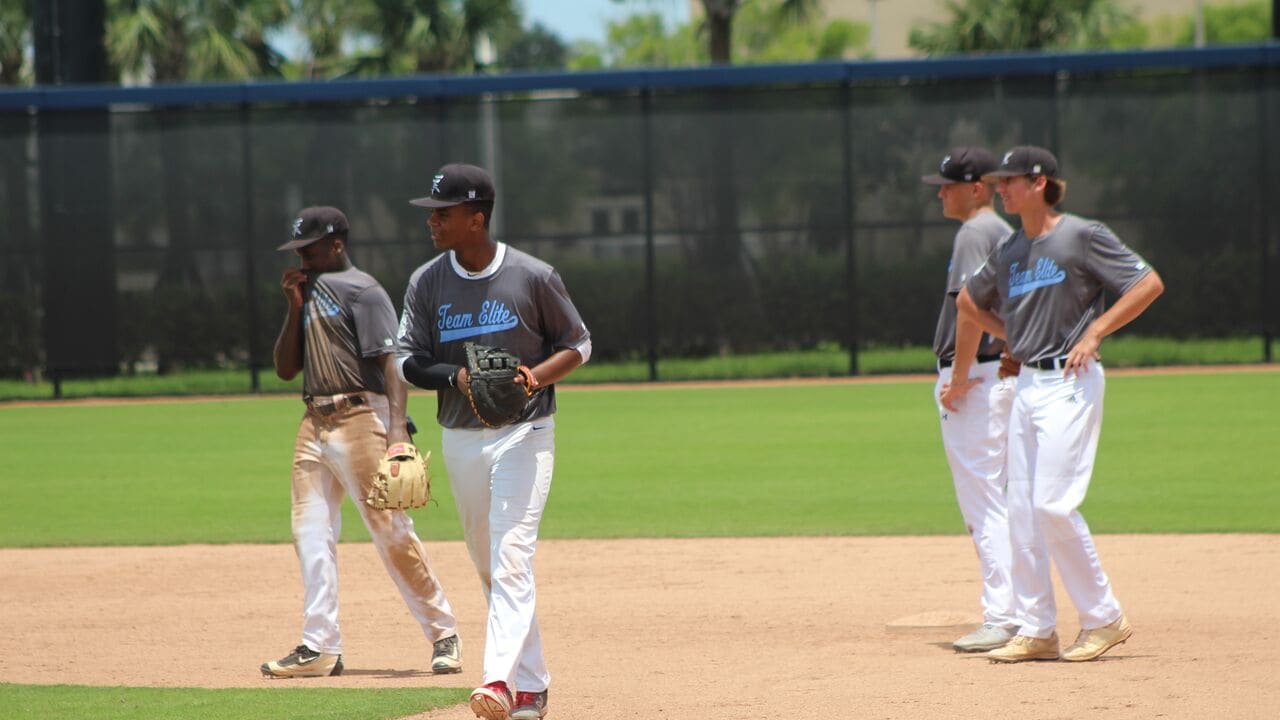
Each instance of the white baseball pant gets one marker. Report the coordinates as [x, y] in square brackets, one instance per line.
[1053, 439]
[975, 439]
[500, 479]
[337, 455]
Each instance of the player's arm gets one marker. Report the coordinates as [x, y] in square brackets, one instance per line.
[555, 368]
[287, 355]
[397, 399]
[988, 322]
[968, 335]
[1129, 306]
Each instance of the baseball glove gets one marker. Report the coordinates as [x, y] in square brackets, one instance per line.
[495, 397]
[402, 480]
[1009, 366]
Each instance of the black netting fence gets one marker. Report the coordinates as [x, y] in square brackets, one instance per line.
[686, 221]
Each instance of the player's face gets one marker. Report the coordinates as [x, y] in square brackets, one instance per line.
[450, 226]
[322, 255]
[1016, 193]
[957, 199]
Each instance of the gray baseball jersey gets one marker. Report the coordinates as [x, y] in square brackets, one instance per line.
[975, 240]
[347, 323]
[1049, 289]
[523, 306]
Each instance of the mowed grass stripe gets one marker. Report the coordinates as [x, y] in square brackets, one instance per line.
[1180, 453]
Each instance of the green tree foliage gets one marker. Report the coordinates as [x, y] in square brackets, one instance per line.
[766, 31]
[15, 37]
[719, 17]
[417, 36]
[994, 25]
[176, 40]
[537, 48]
[1246, 22]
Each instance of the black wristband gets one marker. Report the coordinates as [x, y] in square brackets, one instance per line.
[427, 375]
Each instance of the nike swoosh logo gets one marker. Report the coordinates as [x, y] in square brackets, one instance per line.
[538, 427]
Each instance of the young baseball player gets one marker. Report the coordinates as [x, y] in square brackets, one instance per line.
[975, 437]
[339, 332]
[482, 291]
[1047, 282]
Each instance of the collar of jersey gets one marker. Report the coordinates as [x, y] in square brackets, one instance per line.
[489, 270]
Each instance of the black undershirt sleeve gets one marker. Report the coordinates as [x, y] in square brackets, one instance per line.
[428, 375]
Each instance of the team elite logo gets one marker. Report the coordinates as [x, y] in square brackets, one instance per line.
[1045, 273]
[494, 316]
[435, 184]
[297, 228]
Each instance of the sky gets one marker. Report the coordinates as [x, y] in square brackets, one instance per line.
[576, 20]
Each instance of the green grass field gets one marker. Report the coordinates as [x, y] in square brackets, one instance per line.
[37, 702]
[827, 361]
[1180, 453]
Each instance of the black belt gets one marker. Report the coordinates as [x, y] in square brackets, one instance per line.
[1053, 363]
[981, 359]
[330, 404]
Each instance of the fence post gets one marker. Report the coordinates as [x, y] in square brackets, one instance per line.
[250, 267]
[650, 260]
[850, 207]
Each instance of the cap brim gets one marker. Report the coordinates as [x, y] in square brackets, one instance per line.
[937, 180]
[295, 244]
[1003, 173]
[430, 202]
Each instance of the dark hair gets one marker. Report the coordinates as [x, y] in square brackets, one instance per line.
[1054, 191]
[484, 207]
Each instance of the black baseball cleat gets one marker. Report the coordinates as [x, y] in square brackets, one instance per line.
[303, 662]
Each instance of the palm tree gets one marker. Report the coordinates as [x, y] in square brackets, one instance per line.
[415, 36]
[992, 25]
[176, 40]
[15, 36]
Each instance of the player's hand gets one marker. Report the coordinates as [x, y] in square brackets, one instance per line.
[1080, 355]
[463, 381]
[291, 284]
[953, 392]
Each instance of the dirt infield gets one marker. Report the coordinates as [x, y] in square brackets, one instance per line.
[679, 629]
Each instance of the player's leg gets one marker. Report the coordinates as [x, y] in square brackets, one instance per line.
[522, 470]
[1031, 569]
[357, 447]
[1068, 446]
[468, 460]
[317, 525]
[975, 440]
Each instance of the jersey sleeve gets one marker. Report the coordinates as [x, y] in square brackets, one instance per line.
[375, 320]
[414, 334]
[1116, 266]
[562, 326]
[982, 284]
[970, 252]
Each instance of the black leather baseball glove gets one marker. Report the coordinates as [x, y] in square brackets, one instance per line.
[496, 398]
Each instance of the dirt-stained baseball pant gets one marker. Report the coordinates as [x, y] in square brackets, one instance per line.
[338, 455]
[975, 439]
[1053, 440]
[500, 480]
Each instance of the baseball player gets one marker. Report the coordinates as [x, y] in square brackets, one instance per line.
[340, 333]
[975, 437]
[482, 291]
[1047, 281]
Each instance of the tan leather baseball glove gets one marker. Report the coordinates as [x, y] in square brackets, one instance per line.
[402, 481]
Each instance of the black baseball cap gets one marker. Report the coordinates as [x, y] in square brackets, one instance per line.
[457, 183]
[315, 223]
[1027, 160]
[961, 165]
